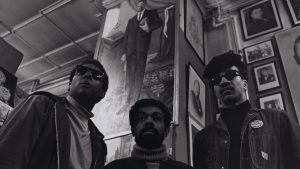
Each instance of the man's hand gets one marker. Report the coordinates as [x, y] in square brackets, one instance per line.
[123, 58]
[144, 25]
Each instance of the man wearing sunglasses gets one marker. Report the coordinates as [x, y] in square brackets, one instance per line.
[47, 131]
[244, 137]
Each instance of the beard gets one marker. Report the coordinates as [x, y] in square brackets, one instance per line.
[232, 99]
[149, 140]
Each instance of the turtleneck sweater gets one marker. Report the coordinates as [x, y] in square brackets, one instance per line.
[152, 157]
[234, 118]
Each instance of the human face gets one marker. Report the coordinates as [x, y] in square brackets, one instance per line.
[86, 84]
[264, 72]
[140, 6]
[257, 13]
[149, 130]
[196, 88]
[232, 91]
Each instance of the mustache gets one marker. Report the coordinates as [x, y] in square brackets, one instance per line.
[227, 87]
[147, 129]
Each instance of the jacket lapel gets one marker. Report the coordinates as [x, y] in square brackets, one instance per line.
[62, 135]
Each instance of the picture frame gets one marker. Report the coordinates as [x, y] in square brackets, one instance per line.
[194, 28]
[288, 43]
[193, 128]
[293, 7]
[260, 18]
[273, 101]
[266, 76]
[120, 146]
[196, 95]
[259, 52]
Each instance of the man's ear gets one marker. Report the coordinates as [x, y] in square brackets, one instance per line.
[245, 84]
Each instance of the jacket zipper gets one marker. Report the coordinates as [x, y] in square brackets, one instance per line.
[56, 133]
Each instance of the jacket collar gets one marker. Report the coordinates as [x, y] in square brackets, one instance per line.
[252, 114]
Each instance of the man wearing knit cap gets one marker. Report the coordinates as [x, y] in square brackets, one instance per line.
[244, 137]
[150, 122]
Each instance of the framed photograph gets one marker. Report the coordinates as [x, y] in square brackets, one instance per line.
[266, 76]
[294, 10]
[273, 101]
[288, 43]
[259, 51]
[196, 96]
[260, 18]
[194, 128]
[194, 28]
[119, 146]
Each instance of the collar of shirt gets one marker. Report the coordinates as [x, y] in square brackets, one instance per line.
[140, 14]
[81, 110]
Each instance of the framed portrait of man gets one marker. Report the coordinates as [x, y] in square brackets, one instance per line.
[266, 76]
[194, 28]
[260, 18]
[196, 96]
[294, 10]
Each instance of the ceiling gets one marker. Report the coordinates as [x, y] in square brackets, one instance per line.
[53, 36]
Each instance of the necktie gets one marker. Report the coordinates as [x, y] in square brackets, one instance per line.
[139, 16]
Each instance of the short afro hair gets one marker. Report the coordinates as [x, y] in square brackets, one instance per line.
[224, 61]
[149, 102]
[99, 65]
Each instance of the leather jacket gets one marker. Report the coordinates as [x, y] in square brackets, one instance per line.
[36, 135]
[269, 140]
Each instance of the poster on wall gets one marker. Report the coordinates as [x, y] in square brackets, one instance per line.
[119, 146]
[141, 66]
[288, 43]
[194, 28]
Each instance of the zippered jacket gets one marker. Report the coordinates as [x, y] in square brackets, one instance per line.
[36, 135]
[270, 139]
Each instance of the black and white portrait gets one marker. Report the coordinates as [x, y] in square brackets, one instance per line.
[260, 18]
[266, 76]
[196, 94]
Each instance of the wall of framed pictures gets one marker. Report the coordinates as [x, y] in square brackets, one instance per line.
[269, 84]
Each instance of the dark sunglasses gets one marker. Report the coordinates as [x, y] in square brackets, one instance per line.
[229, 75]
[81, 70]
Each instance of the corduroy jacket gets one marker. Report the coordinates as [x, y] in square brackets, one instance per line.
[270, 139]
